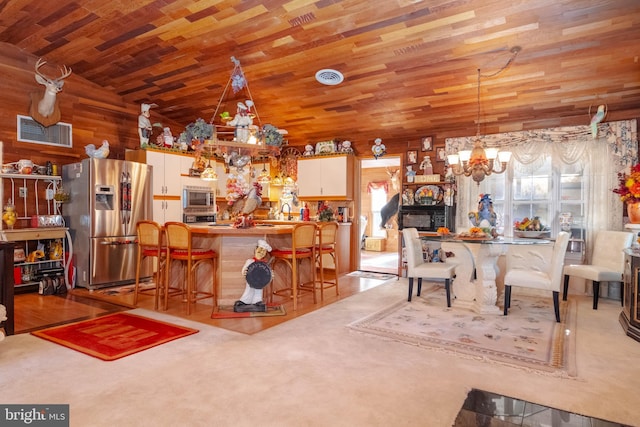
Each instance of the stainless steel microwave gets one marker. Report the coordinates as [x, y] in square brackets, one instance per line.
[426, 217]
[196, 198]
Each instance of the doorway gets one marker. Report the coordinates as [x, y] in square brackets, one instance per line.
[380, 181]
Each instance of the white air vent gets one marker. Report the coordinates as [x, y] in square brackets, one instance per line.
[329, 77]
[31, 131]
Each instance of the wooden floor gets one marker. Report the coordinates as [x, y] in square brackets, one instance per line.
[34, 311]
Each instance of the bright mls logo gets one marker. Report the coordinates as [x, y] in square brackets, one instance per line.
[34, 415]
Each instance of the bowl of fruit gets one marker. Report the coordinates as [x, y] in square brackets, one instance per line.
[530, 228]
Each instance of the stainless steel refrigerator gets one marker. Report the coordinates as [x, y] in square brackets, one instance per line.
[108, 198]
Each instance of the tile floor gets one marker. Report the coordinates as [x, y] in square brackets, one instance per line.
[486, 409]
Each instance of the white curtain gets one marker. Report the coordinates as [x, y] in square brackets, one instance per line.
[615, 149]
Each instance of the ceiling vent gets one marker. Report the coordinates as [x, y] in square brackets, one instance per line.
[31, 131]
[329, 77]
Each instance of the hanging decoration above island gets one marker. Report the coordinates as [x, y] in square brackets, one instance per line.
[243, 133]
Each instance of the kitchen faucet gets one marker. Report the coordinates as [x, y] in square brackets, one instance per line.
[282, 210]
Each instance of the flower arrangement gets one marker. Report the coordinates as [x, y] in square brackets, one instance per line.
[198, 130]
[629, 185]
[325, 213]
[272, 136]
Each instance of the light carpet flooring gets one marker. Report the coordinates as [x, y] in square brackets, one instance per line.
[313, 371]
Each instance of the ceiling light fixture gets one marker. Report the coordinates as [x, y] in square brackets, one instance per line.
[264, 177]
[479, 161]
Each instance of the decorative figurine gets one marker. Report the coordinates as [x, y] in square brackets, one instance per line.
[378, 148]
[242, 121]
[144, 123]
[426, 165]
[410, 173]
[257, 273]
[167, 138]
[308, 150]
[346, 147]
[485, 217]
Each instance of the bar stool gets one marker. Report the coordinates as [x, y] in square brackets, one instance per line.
[150, 246]
[326, 248]
[303, 241]
[179, 245]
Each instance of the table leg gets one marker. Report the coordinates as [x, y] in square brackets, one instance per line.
[487, 271]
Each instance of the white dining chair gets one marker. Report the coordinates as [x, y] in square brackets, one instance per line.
[523, 273]
[607, 263]
[418, 268]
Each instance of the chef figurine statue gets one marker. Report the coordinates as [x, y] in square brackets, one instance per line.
[144, 124]
[242, 121]
[426, 165]
[308, 150]
[258, 274]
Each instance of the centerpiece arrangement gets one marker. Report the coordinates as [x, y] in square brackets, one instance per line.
[629, 191]
[476, 233]
[530, 228]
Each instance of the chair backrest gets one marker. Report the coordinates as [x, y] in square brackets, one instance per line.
[304, 235]
[557, 259]
[327, 233]
[178, 235]
[413, 246]
[149, 233]
[608, 249]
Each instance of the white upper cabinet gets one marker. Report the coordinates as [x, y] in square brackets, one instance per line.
[328, 177]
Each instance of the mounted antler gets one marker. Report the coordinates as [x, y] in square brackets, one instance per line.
[47, 111]
[393, 176]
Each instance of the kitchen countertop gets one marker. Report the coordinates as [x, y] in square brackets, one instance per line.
[228, 230]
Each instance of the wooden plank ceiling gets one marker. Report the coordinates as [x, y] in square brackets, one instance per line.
[410, 66]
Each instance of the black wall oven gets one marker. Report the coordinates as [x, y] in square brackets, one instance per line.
[426, 217]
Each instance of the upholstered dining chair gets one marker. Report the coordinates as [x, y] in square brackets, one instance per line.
[151, 247]
[303, 246]
[418, 268]
[325, 253]
[607, 263]
[180, 248]
[523, 273]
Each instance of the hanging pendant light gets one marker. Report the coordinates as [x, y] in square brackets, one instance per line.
[480, 161]
[264, 177]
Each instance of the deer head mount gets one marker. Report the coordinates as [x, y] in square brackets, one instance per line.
[45, 109]
[393, 176]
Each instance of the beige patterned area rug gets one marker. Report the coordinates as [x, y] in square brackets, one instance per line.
[528, 338]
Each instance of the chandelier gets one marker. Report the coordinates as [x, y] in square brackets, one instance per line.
[481, 161]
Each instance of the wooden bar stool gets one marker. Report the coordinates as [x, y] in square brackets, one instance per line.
[325, 252]
[303, 241]
[150, 246]
[179, 245]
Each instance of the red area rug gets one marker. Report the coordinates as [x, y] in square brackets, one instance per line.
[226, 312]
[114, 336]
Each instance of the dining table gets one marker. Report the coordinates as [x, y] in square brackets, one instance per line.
[479, 291]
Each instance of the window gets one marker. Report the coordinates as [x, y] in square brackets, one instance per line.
[545, 191]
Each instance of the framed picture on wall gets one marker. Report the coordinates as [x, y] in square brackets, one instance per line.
[427, 143]
[441, 155]
[412, 157]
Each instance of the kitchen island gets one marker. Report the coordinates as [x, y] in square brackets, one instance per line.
[234, 246]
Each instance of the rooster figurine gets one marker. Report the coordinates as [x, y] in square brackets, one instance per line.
[597, 118]
[98, 153]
